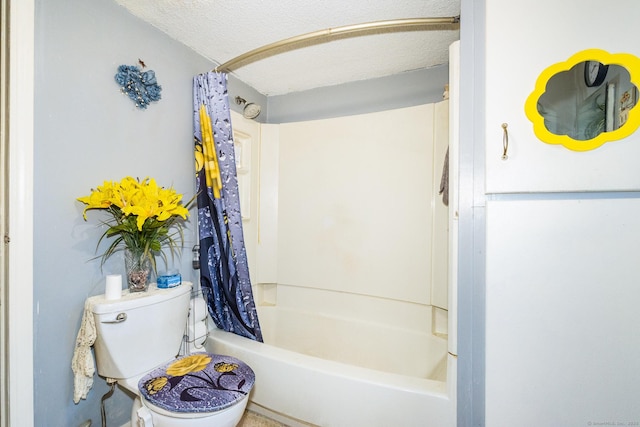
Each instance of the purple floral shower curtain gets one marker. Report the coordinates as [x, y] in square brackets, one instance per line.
[224, 272]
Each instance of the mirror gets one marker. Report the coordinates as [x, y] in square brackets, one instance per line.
[586, 101]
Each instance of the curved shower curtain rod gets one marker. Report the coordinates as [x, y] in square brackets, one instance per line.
[349, 30]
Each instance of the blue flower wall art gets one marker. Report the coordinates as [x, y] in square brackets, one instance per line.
[141, 87]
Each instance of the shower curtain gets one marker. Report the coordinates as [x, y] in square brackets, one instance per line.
[224, 272]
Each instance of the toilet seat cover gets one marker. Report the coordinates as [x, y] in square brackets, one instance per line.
[200, 382]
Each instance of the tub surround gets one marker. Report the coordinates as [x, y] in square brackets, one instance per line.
[349, 270]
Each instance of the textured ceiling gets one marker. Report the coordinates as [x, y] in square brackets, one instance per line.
[222, 30]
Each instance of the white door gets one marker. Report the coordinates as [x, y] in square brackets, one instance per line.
[562, 298]
[3, 144]
[523, 38]
[17, 296]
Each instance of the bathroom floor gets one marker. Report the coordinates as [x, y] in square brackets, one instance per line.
[251, 419]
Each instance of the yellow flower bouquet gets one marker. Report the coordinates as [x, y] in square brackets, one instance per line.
[145, 217]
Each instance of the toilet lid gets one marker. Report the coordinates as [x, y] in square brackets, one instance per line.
[200, 382]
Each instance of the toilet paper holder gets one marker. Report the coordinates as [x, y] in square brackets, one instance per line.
[197, 329]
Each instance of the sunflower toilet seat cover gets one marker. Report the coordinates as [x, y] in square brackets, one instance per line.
[201, 382]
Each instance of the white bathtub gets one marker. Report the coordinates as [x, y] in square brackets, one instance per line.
[354, 373]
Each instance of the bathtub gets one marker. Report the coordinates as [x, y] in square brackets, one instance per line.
[348, 372]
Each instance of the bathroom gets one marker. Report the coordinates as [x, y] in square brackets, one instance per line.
[80, 115]
[84, 131]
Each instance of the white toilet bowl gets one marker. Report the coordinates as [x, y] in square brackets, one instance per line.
[137, 339]
[229, 417]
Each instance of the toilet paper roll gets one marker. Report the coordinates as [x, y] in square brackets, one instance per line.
[198, 310]
[113, 287]
[197, 333]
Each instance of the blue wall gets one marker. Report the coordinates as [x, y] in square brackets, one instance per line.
[471, 209]
[86, 132]
[366, 96]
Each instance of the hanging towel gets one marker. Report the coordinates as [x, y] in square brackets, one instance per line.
[82, 363]
[444, 181]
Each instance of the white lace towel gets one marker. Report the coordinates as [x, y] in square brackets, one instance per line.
[82, 363]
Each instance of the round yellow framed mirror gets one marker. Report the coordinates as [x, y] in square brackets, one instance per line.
[586, 101]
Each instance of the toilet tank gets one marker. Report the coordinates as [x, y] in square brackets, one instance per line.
[139, 331]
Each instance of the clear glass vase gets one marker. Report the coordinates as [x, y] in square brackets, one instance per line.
[138, 270]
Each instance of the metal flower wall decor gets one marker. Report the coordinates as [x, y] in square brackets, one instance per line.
[141, 87]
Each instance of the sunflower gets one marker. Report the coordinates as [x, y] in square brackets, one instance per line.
[154, 385]
[223, 367]
[193, 363]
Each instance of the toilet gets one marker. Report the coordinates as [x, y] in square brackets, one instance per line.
[138, 338]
